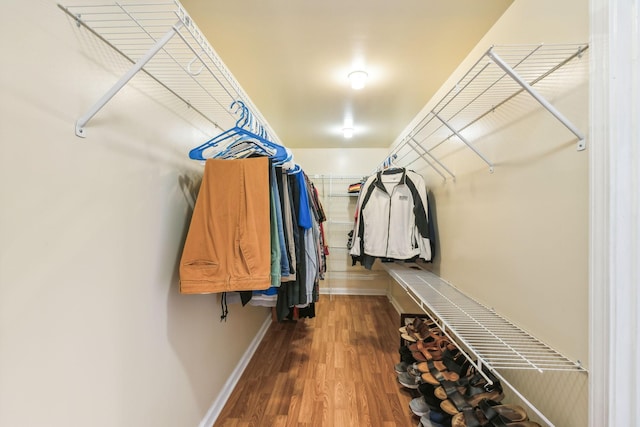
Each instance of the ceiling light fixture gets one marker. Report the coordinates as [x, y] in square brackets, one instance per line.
[358, 79]
[347, 132]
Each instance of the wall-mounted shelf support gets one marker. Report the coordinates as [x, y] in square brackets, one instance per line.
[463, 139]
[82, 121]
[425, 151]
[546, 104]
[426, 160]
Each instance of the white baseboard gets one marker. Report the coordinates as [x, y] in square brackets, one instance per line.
[352, 291]
[225, 393]
[394, 303]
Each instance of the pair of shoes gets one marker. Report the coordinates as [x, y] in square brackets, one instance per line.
[432, 375]
[439, 419]
[401, 367]
[473, 380]
[414, 324]
[419, 407]
[490, 413]
[406, 355]
[409, 381]
[431, 348]
[454, 364]
[418, 330]
[426, 391]
[470, 396]
[425, 421]
[465, 393]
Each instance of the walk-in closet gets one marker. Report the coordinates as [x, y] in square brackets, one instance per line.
[319, 213]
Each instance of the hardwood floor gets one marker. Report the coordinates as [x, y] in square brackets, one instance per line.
[335, 370]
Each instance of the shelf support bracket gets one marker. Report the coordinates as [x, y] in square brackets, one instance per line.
[463, 139]
[432, 157]
[526, 86]
[82, 121]
[426, 160]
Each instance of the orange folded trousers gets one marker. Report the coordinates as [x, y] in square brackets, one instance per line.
[228, 245]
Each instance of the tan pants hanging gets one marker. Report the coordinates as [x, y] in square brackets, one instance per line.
[228, 243]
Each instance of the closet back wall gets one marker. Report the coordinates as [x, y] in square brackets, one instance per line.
[332, 170]
[93, 331]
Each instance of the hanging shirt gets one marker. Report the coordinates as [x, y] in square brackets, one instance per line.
[304, 213]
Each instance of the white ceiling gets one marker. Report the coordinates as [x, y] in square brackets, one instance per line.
[293, 56]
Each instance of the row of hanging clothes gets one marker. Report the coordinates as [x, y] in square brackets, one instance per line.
[256, 235]
[392, 220]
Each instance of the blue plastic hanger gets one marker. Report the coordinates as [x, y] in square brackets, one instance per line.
[241, 133]
[294, 170]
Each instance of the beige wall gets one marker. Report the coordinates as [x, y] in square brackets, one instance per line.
[93, 331]
[517, 239]
[339, 161]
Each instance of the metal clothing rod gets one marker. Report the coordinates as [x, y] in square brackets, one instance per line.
[463, 139]
[82, 121]
[557, 114]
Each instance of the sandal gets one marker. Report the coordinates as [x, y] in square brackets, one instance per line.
[449, 369]
[472, 380]
[489, 413]
[461, 396]
[493, 414]
[452, 360]
[492, 410]
[457, 403]
[421, 349]
[415, 324]
[420, 332]
[435, 351]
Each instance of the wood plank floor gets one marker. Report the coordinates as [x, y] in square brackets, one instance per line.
[335, 370]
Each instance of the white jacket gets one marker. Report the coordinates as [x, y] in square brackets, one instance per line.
[392, 217]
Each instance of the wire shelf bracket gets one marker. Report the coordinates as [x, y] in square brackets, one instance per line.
[82, 121]
[427, 161]
[546, 104]
[162, 40]
[463, 139]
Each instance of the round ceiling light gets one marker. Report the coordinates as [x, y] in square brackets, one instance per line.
[358, 79]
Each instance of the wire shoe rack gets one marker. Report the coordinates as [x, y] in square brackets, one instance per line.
[492, 341]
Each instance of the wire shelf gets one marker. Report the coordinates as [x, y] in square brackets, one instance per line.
[186, 64]
[499, 76]
[494, 341]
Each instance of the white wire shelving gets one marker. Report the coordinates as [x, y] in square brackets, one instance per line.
[490, 339]
[501, 74]
[494, 340]
[161, 40]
